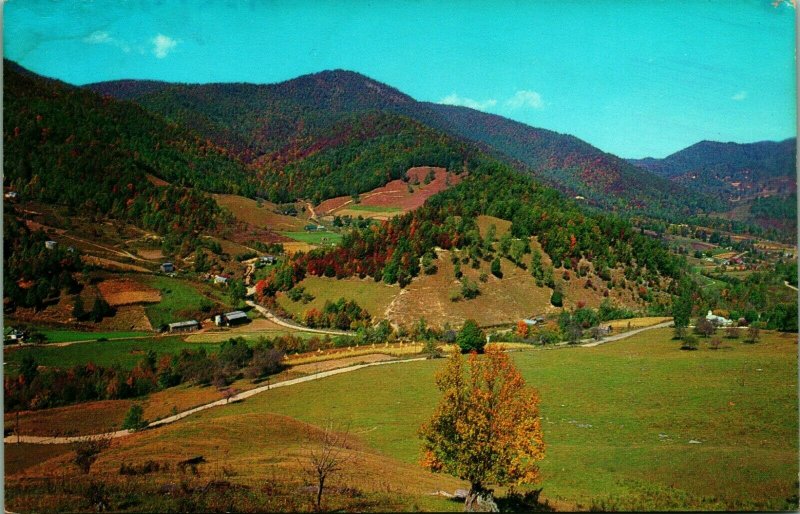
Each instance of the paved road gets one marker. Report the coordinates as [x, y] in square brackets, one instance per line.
[294, 326]
[165, 421]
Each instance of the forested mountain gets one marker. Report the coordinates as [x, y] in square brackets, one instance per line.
[569, 164]
[731, 170]
[258, 122]
[69, 146]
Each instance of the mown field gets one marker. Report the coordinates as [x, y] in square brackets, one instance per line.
[370, 295]
[636, 424]
[314, 238]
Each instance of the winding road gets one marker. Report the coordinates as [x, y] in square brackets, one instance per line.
[295, 326]
[171, 419]
[14, 438]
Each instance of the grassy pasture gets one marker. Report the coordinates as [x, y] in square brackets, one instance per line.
[180, 299]
[65, 336]
[102, 353]
[314, 238]
[370, 295]
[618, 419]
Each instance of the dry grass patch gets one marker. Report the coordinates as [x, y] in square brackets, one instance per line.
[630, 324]
[501, 226]
[347, 354]
[254, 329]
[263, 216]
[111, 265]
[150, 254]
[127, 317]
[394, 197]
[19, 457]
[82, 419]
[126, 291]
[505, 300]
[335, 363]
[249, 449]
[292, 247]
[373, 296]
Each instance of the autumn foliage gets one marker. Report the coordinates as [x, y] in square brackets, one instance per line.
[487, 428]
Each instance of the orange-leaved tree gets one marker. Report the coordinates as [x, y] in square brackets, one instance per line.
[487, 428]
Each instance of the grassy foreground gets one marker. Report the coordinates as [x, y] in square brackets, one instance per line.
[632, 425]
[618, 420]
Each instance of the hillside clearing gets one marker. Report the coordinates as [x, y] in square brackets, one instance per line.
[259, 214]
[505, 300]
[397, 196]
[373, 296]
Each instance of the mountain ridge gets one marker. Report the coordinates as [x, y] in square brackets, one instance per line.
[260, 119]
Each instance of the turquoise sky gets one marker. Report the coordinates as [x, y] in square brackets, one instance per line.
[635, 78]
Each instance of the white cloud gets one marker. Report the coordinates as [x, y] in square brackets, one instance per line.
[454, 99]
[525, 98]
[102, 37]
[97, 38]
[163, 45]
[741, 95]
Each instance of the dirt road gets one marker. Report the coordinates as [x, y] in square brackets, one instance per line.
[12, 439]
[294, 326]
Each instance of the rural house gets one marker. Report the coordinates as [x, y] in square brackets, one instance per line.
[219, 279]
[231, 319]
[50, 245]
[184, 326]
[718, 320]
[167, 267]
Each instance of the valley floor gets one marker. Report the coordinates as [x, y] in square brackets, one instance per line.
[637, 424]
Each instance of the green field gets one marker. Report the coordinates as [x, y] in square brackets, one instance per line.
[314, 238]
[181, 300]
[250, 336]
[102, 353]
[618, 420]
[370, 295]
[64, 336]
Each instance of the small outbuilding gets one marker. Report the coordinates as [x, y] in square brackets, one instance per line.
[167, 267]
[231, 319]
[184, 326]
[50, 245]
[219, 279]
